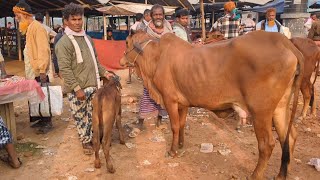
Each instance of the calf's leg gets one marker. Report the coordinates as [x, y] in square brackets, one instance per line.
[306, 92]
[108, 120]
[96, 133]
[119, 126]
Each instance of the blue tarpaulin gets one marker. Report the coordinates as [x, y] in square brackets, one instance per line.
[278, 4]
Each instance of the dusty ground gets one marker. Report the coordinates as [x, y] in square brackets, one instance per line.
[62, 156]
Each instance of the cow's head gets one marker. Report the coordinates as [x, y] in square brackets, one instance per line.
[135, 43]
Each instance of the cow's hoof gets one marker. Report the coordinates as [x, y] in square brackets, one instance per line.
[111, 170]
[172, 153]
[180, 145]
[122, 142]
[97, 164]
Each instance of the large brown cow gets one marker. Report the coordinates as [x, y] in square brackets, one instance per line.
[252, 74]
[311, 54]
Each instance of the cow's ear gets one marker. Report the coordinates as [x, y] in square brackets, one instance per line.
[132, 32]
[138, 47]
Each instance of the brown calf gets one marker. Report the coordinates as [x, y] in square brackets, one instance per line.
[106, 109]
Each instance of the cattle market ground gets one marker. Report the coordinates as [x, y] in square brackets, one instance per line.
[58, 155]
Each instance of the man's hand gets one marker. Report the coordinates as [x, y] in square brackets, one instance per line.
[109, 76]
[81, 95]
[43, 78]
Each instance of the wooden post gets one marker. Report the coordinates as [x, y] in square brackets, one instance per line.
[104, 26]
[128, 25]
[7, 37]
[87, 18]
[203, 23]
[119, 22]
[47, 18]
[19, 45]
[52, 22]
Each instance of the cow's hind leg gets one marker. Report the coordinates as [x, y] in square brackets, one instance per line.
[119, 126]
[281, 120]
[263, 127]
[96, 134]
[314, 103]
[182, 120]
[306, 92]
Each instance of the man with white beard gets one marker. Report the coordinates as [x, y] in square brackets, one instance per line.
[157, 27]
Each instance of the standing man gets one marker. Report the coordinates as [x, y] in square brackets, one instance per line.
[270, 24]
[139, 17]
[157, 27]
[51, 32]
[248, 24]
[229, 24]
[146, 19]
[308, 24]
[181, 24]
[81, 71]
[37, 54]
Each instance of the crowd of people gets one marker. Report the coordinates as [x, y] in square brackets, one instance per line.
[75, 59]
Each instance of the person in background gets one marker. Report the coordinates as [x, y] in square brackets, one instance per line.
[36, 53]
[10, 25]
[229, 24]
[248, 24]
[51, 32]
[6, 142]
[139, 19]
[270, 24]
[310, 21]
[109, 34]
[181, 24]
[146, 19]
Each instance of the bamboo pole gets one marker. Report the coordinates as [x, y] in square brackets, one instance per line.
[19, 45]
[203, 26]
[104, 26]
[47, 18]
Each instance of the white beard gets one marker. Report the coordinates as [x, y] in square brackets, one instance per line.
[158, 23]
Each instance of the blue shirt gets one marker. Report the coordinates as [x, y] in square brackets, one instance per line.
[274, 28]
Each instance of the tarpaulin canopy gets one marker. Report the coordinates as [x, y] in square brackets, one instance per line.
[131, 9]
[278, 4]
[110, 52]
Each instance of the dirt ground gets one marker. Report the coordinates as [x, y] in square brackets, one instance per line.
[61, 157]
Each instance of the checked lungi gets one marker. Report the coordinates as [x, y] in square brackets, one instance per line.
[5, 137]
[82, 113]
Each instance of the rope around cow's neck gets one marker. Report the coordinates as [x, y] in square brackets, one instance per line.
[138, 53]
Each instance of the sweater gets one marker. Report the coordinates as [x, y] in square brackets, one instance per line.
[77, 75]
[37, 44]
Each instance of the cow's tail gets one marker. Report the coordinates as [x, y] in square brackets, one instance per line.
[316, 69]
[285, 159]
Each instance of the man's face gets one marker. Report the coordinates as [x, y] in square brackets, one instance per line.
[147, 17]
[23, 23]
[157, 17]
[74, 22]
[271, 16]
[183, 20]
[20, 17]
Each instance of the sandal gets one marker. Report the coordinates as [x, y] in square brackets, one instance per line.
[7, 159]
[134, 133]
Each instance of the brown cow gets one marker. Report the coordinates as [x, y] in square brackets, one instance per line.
[311, 54]
[106, 109]
[252, 74]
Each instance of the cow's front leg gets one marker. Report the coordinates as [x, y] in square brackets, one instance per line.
[172, 109]
[182, 120]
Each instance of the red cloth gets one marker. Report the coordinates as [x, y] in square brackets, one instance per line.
[20, 85]
[110, 52]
